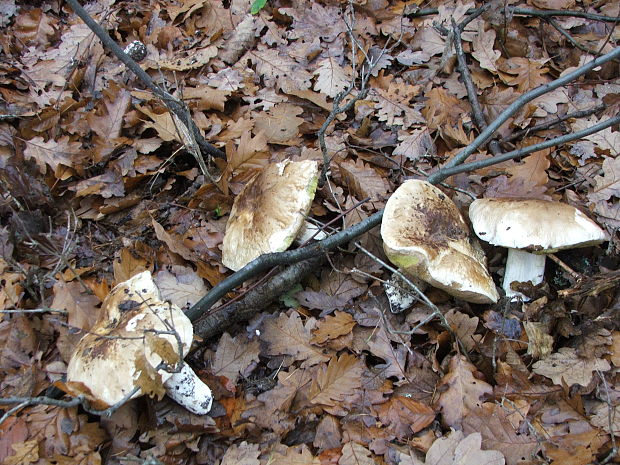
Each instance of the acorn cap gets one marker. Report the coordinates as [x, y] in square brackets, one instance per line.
[424, 234]
[538, 226]
[103, 364]
[269, 211]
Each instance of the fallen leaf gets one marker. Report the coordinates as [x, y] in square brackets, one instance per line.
[234, 355]
[565, 367]
[339, 379]
[461, 392]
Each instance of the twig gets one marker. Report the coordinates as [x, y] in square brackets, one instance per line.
[447, 172]
[472, 92]
[527, 12]
[610, 422]
[553, 122]
[74, 402]
[254, 301]
[570, 38]
[174, 105]
[518, 104]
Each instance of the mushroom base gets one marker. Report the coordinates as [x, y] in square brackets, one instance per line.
[523, 266]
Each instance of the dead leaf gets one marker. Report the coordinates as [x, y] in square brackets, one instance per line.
[565, 367]
[339, 379]
[332, 327]
[234, 355]
[461, 392]
[286, 335]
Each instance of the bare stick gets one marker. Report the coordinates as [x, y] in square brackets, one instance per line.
[518, 104]
[174, 105]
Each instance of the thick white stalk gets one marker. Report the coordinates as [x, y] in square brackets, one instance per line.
[523, 266]
[186, 388]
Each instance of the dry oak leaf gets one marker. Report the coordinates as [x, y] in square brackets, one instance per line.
[363, 181]
[34, 26]
[499, 427]
[522, 72]
[607, 139]
[464, 327]
[404, 416]
[53, 152]
[332, 327]
[443, 109]
[25, 452]
[174, 242]
[528, 179]
[608, 185]
[380, 345]
[461, 392]
[331, 77]
[280, 71]
[394, 104]
[296, 455]
[458, 449]
[241, 454]
[116, 102]
[281, 124]
[196, 59]
[81, 306]
[355, 454]
[339, 379]
[234, 355]
[416, 144]
[286, 335]
[565, 367]
[180, 285]
[483, 51]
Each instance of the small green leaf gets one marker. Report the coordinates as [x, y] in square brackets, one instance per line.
[288, 298]
[257, 5]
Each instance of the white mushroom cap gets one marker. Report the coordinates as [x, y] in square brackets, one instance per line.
[269, 211]
[424, 234]
[103, 366]
[530, 228]
[538, 226]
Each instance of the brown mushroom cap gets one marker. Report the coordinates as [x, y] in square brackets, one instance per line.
[269, 211]
[103, 365]
[424, 234]
[538, 226]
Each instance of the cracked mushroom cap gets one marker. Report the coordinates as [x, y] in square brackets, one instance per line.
[103, 364]
[269, 211]
[424, 234]
[538, 226]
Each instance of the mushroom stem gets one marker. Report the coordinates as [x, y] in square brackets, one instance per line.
[523, 266]
[186, 389]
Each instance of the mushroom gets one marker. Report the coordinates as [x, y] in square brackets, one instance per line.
[138, 336]
[269, 211]
[530, 228]
[424, 234]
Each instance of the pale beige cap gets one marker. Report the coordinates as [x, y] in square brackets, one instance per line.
[269, 211]
[103, 365]
[424, 234]
[538, 226]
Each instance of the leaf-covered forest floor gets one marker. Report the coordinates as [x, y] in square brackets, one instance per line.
[98, 182]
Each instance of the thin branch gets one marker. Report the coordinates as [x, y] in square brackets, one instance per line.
[517, 105]
[174, 105]
[554, 122]
[527, 12]
[475, 165]
[472, 92]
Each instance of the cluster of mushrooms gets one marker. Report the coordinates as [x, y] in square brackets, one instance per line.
[426, 236]
[423, 233]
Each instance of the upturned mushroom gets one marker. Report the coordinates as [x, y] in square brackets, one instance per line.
[531, 228]
[269, 211]
[425, 235]
[138, 337]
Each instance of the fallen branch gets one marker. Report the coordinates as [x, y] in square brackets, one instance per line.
[175, 105]
[265, 262]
